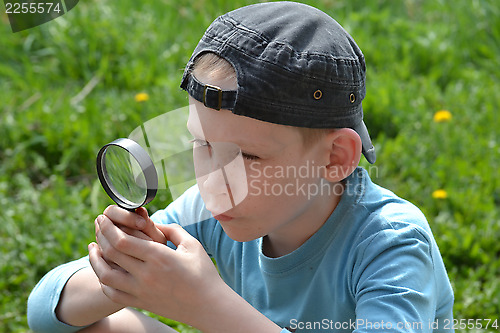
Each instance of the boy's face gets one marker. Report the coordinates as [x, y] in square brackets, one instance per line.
[273, 193]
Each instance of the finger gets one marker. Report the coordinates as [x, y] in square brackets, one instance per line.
[119, 241]
[150, 228]
[124, 217]
[118, 296]
[138, 220]
[130, 231]
[96, 227]
[115, 266]
[107, 275]
[176, 234]
[109, 262]
[135, 233]
[112, 264]
[111, 253]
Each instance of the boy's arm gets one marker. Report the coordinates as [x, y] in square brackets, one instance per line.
[82, 301]
[70, 296]
[181, 284]
[128, 321]
[398, 282]
[44, 297]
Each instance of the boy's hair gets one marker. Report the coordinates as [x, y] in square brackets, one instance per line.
[217, 67]
[220, 69]
[294, 66]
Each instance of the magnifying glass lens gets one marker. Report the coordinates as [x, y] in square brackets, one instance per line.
[124, 175]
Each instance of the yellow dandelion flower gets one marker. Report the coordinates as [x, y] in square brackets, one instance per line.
[440, 194]
[141, 97]
[442, 116]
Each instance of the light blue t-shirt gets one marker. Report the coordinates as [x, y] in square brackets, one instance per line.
[373, 266]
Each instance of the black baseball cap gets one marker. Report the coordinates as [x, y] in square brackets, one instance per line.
[295, 65]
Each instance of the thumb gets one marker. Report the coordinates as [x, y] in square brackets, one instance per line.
[176, 234]
[149, 227]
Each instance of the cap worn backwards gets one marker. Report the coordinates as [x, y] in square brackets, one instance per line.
[295, 65]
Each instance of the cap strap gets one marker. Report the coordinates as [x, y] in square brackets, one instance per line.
[211, 96]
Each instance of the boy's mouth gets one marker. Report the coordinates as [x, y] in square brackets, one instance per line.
[223, 218]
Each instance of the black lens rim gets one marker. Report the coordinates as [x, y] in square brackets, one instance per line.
[145, 163]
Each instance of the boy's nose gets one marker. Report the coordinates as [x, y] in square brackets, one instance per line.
[216, 193]
[214, 182]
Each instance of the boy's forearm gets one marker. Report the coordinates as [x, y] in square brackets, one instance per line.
[231, 313]
[82, 301]
[128, 321]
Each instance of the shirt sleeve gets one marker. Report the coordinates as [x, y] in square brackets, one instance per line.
[395, 287]
[44, 298]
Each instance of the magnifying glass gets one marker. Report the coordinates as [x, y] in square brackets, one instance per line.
[127, 173]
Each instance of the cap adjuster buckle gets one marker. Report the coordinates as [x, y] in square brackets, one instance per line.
[209, 89]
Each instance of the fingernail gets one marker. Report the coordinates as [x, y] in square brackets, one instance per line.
[99, 219]
[140, 222]
[90, 246]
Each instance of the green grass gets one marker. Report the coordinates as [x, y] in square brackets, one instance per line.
[422, 56]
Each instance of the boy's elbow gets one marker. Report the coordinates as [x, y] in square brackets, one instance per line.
[44, 297]
[38, 312]
[33, 309]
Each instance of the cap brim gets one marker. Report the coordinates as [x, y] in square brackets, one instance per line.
[368, 148]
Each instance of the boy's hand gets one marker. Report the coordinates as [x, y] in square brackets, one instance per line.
[136, 223]
[179, 284]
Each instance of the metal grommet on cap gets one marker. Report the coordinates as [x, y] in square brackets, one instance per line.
[352, 98]
[317, 94]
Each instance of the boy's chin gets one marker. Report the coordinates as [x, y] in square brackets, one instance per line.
[237, 234]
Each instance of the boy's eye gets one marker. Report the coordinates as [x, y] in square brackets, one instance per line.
[248, 156]
[206, 144]
[200, 143]
[201, 147]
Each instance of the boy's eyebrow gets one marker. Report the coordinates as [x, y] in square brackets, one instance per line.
[250, 145]
[240, 143]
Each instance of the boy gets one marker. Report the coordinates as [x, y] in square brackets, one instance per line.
[324, 249]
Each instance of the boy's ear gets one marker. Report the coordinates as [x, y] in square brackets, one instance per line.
[345, 152]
